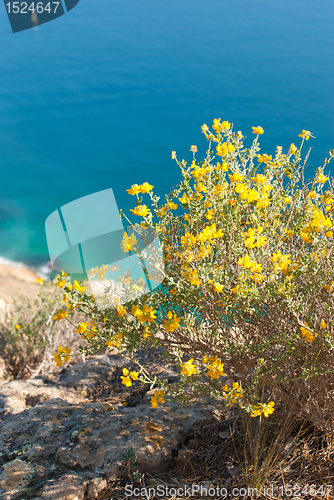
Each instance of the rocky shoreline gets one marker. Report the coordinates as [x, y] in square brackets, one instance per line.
[15, 280]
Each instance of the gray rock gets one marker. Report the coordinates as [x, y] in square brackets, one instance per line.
[48, 429]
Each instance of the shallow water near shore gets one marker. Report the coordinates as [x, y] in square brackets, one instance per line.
[101, 96]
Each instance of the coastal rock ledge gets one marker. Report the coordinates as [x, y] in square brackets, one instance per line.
[59, 442]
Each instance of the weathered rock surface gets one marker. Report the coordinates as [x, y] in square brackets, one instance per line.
[55, 443]
[14, 280]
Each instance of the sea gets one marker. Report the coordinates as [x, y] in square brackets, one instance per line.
[99, 98]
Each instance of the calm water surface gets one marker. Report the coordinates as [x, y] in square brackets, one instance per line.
[101, 96]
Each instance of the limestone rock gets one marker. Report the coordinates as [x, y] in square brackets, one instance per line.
[67, 487]
[14, 474]
[46, 424]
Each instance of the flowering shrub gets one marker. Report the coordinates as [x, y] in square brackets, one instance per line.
[247, 298]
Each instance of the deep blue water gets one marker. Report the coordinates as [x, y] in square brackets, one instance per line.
[100, 97]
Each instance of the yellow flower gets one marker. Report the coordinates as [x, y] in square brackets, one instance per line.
[185, 199]
[79, 287]
[256, 411]
[145, 188]
[40, 281]
[60, 315]
[276, 256]
[57, 359]
[60, 283]
[172, 323]
[120, 311]
[306, 134]
[264, 158]
[141, 210]
[222, 167]
[193, 149]
[226, 125]
[322, 179]
[82, 327]
[268, 409]
[236, 392]
[257, 130]
[135, 189]
[128, 242]
[245, 261]
[216, 124]
[209, 215]
[323, 325]
[147, 332]
[146, 315]
[17, 327]
[94, 271]
[292, 149]
[218, 287]
[63, 352]
[157, 398]
[126, 381]
[173, 155]
[134, 375]
[307, 333]
[256, 268]
[259, 179]
[222, 149]
[236, 177]
[171, 205]
[205, 360]
[188, 368]
[215, 368]
[115, 340]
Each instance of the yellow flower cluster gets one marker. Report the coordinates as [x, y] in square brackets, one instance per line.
[235, 393]
[157, 398]
[253, 239]
[172, 322]
[307, 333]
[224, 148]
[60, 315]
[144, 315]
[306, 134]
[127, 376]
[250, 264]
[257, 130]
[141, 210]
[63, 352]
[282, 263]
[262, 408]
[128, 242]
[120, 311]
[141, 188]
[115, 340]
[214, 366]
[188, 368]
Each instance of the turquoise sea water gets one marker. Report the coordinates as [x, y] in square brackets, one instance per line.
[100, 97]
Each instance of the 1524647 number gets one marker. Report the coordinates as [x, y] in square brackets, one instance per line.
[22, 7]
